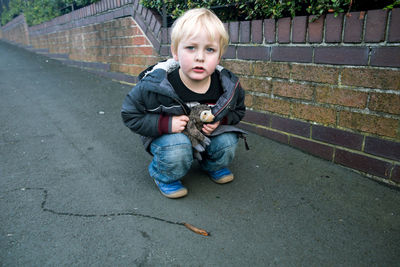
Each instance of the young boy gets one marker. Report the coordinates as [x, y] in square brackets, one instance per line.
[157, 108]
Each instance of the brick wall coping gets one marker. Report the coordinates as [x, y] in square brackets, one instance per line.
[15, 22]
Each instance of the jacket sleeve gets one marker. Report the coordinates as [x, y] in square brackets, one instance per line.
[136, 117]
[237, 108]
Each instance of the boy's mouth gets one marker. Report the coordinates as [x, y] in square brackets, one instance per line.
[198, 69]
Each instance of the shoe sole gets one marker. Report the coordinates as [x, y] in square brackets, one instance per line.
[178, 194]
[225, 179]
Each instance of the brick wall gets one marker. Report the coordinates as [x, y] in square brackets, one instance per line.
[16, 31]
[330, 87]
[117, 45]
[104, 37]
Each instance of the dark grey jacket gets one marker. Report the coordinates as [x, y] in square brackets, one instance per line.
[154, 96]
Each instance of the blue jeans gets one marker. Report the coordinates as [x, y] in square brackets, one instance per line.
[173, 155]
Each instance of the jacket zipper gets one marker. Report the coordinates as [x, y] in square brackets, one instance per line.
[182, 105]
[229, 100]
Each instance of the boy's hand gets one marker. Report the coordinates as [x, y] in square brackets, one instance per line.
[179, 123]
[210, 127]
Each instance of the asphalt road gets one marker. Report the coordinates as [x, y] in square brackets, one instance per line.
[74, 190]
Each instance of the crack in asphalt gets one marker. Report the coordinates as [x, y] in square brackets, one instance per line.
[106, 215]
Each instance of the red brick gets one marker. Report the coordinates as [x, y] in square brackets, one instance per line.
[253, 52]
[138, 60]
[369, 123]
[256, 31]
[238, 67]
[256, 85]
[273, 105]
[342, 97]
[135, 31]
[315, 73]
[144, 50]
[245, 31]
[385, 56]
[294, 90]
[249, 100]
[299, 29]
[165, 51]
[375, 26]
[313, 148]
[389, 103]
[315, 29]
[363, 163]
[314, 113]
[291, 54]
[234, 31]
[290, 126]
[230, 52]
[257, 118]
[353, 27]
[138, 41]
[382, 148]
[164, 36]
[269, 30]
[152, 60]
[371, 78]
[284, 30]
[135, 70]
[342, 55]
[271, 69]
[279, 137]
[334, 25]
[118, 68]
[394, 29]
[337, 137]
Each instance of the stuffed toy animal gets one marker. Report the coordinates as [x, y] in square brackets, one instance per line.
[199, 115]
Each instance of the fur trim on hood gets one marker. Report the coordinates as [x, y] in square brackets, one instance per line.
[169, 65]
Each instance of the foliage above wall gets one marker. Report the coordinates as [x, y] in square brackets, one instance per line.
[38, 11]
[261, 9]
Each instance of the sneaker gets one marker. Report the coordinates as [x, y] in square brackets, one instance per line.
[221, 176]
[172, 190]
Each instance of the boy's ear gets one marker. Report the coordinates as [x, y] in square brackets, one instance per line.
[175, 55]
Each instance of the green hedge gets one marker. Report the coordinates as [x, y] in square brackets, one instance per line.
[38, 11]
[246, 10]
[233, 10]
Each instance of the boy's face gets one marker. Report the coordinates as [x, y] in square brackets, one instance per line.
[198, 56]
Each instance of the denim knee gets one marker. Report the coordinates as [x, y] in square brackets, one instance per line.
[220, 152]
[172, 157]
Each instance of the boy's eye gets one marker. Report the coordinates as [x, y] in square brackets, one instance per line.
[190, 47]
[210, 49]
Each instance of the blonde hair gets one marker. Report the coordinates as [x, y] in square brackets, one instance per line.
[195, 20]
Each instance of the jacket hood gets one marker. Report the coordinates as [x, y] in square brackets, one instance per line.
[168, 66]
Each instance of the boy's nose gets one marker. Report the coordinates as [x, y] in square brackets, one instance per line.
[199, 56]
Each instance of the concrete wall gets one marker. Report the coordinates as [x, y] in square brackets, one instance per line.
[329, 87]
